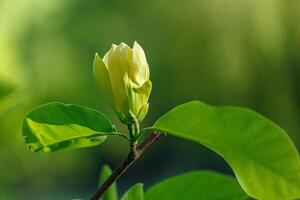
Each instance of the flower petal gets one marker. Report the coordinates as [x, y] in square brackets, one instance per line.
[103, 80]
[140, 69]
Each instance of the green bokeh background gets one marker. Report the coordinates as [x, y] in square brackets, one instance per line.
[223, 52]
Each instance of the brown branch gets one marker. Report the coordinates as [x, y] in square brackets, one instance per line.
[148, 142]
[134, 154]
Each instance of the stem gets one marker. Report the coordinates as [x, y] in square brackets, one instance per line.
[115, 134]
[146, 131]
[134, 128]
[134, 154]
[131, 130]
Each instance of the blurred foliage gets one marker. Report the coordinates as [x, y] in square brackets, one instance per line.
[223, 52]
[5, 89]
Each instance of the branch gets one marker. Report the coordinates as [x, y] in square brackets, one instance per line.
[134, 154]
[148, 141]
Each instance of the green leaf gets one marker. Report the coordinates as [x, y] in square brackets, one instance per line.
[55, 126]
[136, 192]
[262, 156]
[197, 185]
[112, 192]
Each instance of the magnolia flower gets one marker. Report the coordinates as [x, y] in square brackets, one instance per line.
[123, 78]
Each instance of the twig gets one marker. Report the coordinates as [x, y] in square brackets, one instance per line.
[134, 154]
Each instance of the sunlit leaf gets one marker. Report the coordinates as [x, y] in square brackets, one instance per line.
[136, 192]
[111, 193]
[55, 126]
[200, 185]
[262, 156]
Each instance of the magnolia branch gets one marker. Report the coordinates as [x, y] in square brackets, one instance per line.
[134, 154]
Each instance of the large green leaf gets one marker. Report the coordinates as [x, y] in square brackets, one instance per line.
[55, 126]
[136, 192]
[263, 158]
[200, 185]
[111, 193]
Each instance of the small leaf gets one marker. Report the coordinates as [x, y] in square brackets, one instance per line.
[262, 156]
[55, 126]
[111, 193]
[136, 192]
[200, 185]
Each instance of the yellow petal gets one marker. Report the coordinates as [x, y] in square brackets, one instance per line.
[140, 69]
[118, 64]
[103, 80]
[139, 98]
[105, 58]
[143, 112]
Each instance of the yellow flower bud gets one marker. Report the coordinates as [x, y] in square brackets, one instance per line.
[123, 78]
